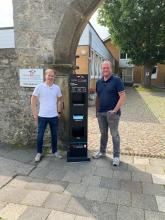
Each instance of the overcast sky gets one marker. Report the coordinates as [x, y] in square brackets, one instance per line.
[6, 18]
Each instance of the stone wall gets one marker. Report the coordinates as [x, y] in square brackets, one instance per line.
[15, 126]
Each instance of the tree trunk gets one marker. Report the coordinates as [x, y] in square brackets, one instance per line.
[147, 76]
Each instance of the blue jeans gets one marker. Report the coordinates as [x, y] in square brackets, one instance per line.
[106, 121]
[42, 124]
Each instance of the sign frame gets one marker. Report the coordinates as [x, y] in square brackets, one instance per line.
[30, 77]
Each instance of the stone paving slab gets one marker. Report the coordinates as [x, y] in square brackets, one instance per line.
[56, 174]
[19, 181]
[158, 179]
[35, 198]
[153, 189]
[143, 177]
[155, 169]
[96, 193]
[103, 210]
[130, 186]
[35, 184]
[12, 211]
[56, 186]
[157, 162]
[110, 183]
[84, 218]
[35, 213]
[103, 172]
[143, 201]
[57, 201]
[77, 190]
[57, 215]
[119, 197]
[140, 160]
[39, 173]
[161, 203]
[13, 167]
[72, 177]
[91, 180]
[4, 180]
[2, 205]
[25, 155]
[136, 168]
[12, 194]
[150, 215]
[130, 213]
[122, 175]
[79, 206]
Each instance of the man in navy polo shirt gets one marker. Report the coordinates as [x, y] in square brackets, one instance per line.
[110, 98]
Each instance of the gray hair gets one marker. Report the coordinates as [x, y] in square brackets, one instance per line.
[107, 61]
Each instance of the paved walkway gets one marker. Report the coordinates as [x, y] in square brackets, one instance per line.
[141, 127]
[155, 101]
[57, 190]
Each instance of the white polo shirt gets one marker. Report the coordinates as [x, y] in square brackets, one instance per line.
[47, 96]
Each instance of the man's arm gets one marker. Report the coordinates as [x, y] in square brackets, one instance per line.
[121, 101]
[34, 100]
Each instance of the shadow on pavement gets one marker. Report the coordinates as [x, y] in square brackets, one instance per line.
[95, 189]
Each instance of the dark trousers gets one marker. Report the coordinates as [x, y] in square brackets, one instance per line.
[42, 124]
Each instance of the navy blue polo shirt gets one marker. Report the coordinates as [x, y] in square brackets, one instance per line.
[107, 92]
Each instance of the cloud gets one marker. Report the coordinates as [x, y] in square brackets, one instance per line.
[101, 30]
[6, 13]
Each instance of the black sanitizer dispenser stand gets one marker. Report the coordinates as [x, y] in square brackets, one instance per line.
[78, 134]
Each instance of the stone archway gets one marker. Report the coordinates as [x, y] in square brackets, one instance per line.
[46, 34]
[75, 18]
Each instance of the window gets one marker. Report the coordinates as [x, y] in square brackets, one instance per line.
[154, 72]
[92, 64]
[96, 66]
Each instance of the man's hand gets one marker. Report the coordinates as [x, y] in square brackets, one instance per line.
[59, 114]
[112, 112]
[35, 120]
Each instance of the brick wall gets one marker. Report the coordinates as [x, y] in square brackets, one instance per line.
[82, 61]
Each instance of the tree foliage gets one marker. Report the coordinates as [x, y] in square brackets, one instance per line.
[138, 27]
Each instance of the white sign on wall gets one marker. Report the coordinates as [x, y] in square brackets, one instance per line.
[30, 77]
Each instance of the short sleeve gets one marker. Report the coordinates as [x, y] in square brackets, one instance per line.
[36, 91]
[59, 94]
[119, 85]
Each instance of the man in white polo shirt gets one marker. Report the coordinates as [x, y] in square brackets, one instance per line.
[49, 97]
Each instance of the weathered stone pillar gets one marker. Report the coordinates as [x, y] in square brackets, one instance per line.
[62, 80]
